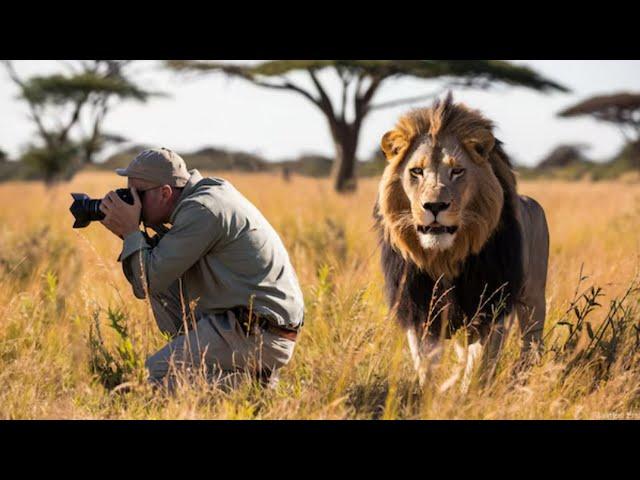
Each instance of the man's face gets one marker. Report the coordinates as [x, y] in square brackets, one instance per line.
[156, 200]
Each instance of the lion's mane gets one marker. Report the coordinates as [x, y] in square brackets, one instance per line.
[483, 270]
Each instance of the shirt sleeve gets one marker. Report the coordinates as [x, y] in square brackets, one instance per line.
[195, 231]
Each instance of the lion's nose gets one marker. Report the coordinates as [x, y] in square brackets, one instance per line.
[435, 207]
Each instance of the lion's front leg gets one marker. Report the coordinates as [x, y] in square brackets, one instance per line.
[426, 352]
[469, 356]
[531, 317]
[491, 342]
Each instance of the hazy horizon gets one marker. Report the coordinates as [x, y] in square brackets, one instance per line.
[216, 111]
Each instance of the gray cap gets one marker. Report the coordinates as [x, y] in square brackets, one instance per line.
[158, 165]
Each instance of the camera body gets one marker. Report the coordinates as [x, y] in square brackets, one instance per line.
[86, 210]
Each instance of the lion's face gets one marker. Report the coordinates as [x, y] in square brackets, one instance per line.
[442, 183]
[440, 197]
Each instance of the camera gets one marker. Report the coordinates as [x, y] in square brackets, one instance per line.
[86, 210]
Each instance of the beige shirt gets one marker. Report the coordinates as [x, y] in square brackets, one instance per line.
[224, 251]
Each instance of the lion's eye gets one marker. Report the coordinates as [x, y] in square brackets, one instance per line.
[456, 172]
[416, 171]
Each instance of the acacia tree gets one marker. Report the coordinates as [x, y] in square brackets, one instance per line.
[360, 80]
[68, 110]
[620, 109]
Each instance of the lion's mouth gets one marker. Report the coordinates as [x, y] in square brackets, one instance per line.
[437, 229]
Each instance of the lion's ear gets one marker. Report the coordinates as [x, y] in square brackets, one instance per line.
[480, 146]
[392, 143]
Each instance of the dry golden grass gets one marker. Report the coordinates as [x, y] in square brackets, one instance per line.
[351, 361]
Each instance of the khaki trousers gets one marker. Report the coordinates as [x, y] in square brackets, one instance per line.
[216, 344]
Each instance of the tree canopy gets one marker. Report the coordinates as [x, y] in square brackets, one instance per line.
[475, 71]
[617, 108]
[60, 89]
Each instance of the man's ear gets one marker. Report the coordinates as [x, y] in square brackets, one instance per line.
[167, 191]
[393, 143]
[480, 146]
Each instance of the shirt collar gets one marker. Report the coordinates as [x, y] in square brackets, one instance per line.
[194, 178]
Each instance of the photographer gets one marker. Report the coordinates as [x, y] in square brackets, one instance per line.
[219, 280]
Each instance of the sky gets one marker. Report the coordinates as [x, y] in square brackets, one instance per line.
[234, 114]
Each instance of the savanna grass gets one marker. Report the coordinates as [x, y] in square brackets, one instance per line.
[73, 338]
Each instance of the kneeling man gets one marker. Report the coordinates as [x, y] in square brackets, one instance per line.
[219, 280]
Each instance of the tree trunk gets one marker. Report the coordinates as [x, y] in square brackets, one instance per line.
[345, 139]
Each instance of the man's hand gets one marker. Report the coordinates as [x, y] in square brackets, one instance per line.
[120, 217]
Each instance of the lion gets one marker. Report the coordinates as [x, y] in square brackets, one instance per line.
[459, 246]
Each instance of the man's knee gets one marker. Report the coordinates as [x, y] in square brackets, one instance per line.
[182, 353]
[157, 365]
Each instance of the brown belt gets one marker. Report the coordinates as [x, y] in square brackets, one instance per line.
[248, 324]
[282, 332]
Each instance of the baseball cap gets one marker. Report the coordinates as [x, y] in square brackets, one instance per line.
[158, 165]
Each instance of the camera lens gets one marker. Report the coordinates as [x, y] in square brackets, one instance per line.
[86, 210]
